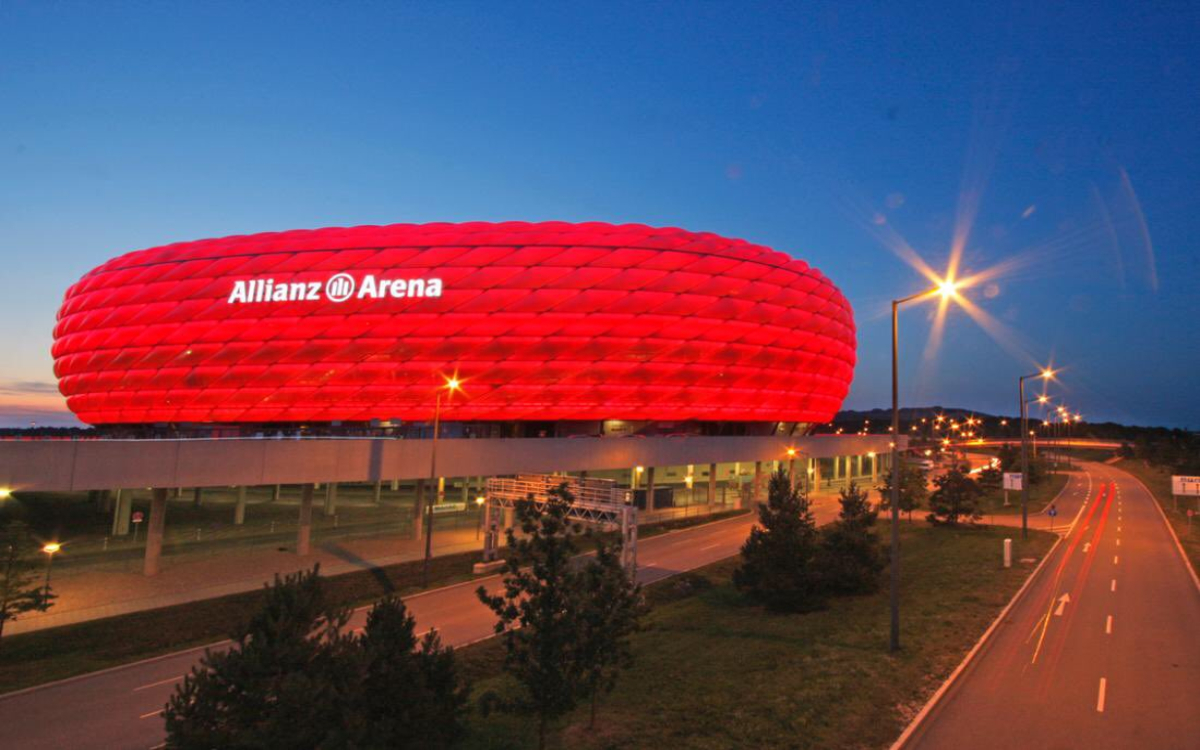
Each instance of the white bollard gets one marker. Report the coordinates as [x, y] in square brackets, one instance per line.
[1008, 553]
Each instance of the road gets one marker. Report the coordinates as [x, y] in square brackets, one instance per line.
[1103, 650]
[121, 707]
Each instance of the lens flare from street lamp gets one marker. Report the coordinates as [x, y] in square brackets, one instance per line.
[51, 548]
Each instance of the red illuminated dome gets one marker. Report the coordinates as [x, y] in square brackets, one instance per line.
[549, 321]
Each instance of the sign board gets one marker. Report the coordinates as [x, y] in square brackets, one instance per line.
[1052, 512]
[1185, 485]
[136, 517]
[1012, 480]
[449, 507]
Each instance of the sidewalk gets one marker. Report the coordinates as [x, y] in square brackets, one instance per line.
[104, 591]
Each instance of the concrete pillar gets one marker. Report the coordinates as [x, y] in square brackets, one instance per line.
[858, 471]
[154, 531]
[441, 491]
[758, 472]
[304, 532]
[330, 499]
[816, 479]
[466, 489]
[874, 469]
[197, 497]
[712, 484]
[120, 511]
[378, 494]
[419, 511]
[633, 478]
[649, 488]
[239, 511]
[395, 485]
[510, 516]
[277, 493]
[178, 493]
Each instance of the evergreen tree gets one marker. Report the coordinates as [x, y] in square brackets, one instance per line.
[283, 683]
[21, 587]
[990, 478]
[410, 692]
[612, 606]
[293, 679]
[914, 488]
[539, 609]
[780, 566]
[851, 556]
[956, 496]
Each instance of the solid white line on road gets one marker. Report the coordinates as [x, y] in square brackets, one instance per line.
[1114, 585]
[1108, 626]
[177, 678]
[152, 713]
[1100, 698]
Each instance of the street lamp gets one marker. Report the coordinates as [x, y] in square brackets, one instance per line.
[947, 289]
[49, 549]
[452, 385]
[1046, 374]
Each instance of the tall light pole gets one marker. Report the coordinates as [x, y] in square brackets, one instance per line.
[452, 384]
[947, 289]
[49, 549]
[1047, 374]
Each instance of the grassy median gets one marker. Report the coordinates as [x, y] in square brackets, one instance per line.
[1040, 495]
[714, 671]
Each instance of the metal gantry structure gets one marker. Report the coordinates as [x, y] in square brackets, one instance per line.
[598, 502]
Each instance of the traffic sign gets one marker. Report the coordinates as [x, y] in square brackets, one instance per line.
[1185, 485]
[1012, 480]
[137, 516]
[1052, 512]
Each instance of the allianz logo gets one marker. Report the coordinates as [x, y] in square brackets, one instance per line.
[337, 288]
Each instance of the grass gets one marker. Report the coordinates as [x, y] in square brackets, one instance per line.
[714, 671]
[28, 659]
[1159, 482]
[1040, 495]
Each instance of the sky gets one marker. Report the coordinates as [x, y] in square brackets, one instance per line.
[1056, 149]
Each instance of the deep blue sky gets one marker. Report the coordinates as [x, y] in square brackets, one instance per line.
[812, 130]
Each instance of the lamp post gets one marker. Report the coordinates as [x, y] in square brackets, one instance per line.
[1046, 374]
[49, 549]
[947, 289]
[452, 384]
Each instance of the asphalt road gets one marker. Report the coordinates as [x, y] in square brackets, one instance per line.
[1103, 651]
[121, 707]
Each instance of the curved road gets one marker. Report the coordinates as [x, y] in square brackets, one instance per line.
[1102, 651]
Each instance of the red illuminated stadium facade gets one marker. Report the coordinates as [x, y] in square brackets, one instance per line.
[572, 328]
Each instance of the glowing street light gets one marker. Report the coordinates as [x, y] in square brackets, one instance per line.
[1046, 374]
[5, 493]
[451, 386]
[947, 288]
[49, 549]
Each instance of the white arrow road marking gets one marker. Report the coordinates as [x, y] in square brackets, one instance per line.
[1062, 603]
[1087, 546]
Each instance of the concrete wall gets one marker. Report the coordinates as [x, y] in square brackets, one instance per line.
[103, 464]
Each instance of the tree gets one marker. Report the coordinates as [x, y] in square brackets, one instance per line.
[283, 682]
[780, 565]
[914, 488]
[1010, 457]
[990, 478]
[21, 588]
[612, 606]
[411, 695]
[851, 557]
[539, 608]
[293, 679]
[956, 495]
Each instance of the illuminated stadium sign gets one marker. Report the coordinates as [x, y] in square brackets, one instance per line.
[547, 321]
[338, 288]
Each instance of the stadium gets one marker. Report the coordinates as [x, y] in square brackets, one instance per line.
[407, 368]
